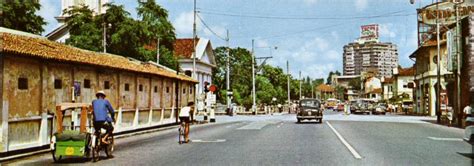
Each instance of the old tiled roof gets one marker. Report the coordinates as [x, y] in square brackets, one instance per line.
[46, 49]
[183, 48]
[376, 91]
[406, 71]
[388, 80]
[325, 88]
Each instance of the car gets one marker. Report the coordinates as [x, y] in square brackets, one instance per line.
[310, 109]
[380, 108]
[361, 106]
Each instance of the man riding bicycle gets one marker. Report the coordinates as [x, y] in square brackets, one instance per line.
[184, 117]
[102, 120]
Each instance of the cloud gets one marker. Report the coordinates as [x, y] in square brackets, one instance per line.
[361, 4]
[387, 30]
[183, 24]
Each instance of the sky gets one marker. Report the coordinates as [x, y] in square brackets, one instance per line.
[310, 34]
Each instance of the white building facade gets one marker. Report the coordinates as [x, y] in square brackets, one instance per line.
[205, 61]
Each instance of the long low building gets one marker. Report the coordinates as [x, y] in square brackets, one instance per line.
[37, 74]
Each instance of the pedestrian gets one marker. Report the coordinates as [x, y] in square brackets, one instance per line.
[184, 117]
[468, 115]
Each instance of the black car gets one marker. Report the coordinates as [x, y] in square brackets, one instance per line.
[310, 109]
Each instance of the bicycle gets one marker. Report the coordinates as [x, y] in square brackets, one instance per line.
[98, 145]
[181, 137]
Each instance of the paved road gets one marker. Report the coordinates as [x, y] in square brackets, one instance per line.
[278, 140]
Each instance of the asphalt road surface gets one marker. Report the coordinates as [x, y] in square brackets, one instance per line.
[279, 140]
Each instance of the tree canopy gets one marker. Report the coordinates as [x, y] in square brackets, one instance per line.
[270, 82]
[21, 15]
[124, 35]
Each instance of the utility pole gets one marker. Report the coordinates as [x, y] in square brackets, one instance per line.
[288, 83]
[253, 79]
[228, 73]
[458, 110]
[194, 40]
[312, 89]
[158, 51]
[438, 76]
[104, 32]
[300, 84]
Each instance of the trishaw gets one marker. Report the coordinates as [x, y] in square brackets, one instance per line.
[74, 142]
[68, 141]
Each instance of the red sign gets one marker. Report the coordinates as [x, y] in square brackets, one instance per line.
[212, 88]
[369, 32]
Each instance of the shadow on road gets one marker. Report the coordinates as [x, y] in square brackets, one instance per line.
[308, 122]
[468, 155]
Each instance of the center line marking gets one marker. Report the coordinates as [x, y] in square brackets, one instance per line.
[351, 149]
[445, 139]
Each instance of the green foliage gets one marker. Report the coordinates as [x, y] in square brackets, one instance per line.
[270, 83]
[21, 15]
[124, 35]
[355, 84]
[240, 76]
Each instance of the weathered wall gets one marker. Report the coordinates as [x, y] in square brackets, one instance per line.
[81, 75]
[112, 92]
[143, 93]
[127, 96]
[22, 102]
[63, 93]
[156, 95]
[168, 92]
[26, 126]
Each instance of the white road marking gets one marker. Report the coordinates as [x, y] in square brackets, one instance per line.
[351, 149]
[208, 141]
[256, 125]
[445, 139]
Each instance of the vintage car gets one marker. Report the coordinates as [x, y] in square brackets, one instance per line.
[363, 106]
[380, 108]
[309, 109]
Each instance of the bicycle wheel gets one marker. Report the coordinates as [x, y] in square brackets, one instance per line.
[181, 134]
[110, 147]
[96, 150]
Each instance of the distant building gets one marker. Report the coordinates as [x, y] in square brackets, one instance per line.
[403, 81]
[368, 53]
[61, 33]
[344, 80]
[387, 88]
[205, 61]
[360, 57]
[324, 92]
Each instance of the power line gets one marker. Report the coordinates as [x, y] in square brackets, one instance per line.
[391, 14]
[212, 31]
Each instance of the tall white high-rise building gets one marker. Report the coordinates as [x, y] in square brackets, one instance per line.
[378, 56]
[368, 53]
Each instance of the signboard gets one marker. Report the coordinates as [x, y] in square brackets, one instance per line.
[211, 98]
[445, 12]
[369, 32]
